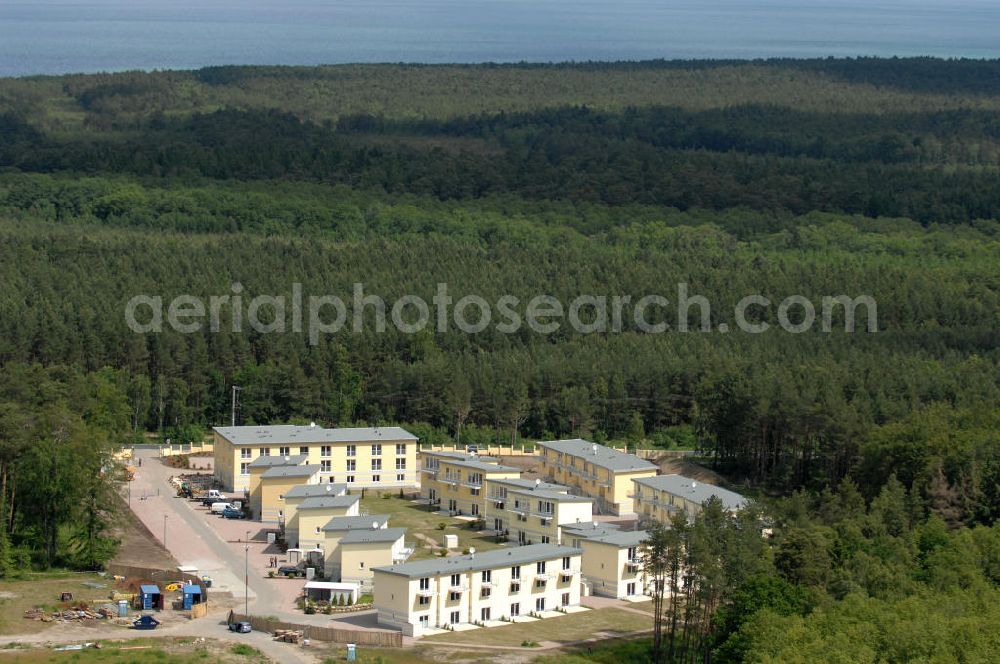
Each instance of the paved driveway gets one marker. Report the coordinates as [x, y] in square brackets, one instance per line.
[215, 546]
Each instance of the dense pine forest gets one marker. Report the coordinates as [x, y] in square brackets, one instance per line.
[876, 453]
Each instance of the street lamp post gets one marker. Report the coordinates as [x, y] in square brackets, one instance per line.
[164, 531]
[246, 581]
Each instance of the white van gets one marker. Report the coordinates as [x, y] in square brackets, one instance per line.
[218, 508]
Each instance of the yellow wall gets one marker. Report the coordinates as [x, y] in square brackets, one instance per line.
[357, 560]
[605, 568]
[610, 490]
[397, 600]
[307, 521]
[229, 459]
[530, 523]
[467, 499]
[272, 492]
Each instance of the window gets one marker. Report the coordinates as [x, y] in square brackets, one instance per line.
[454, 596]
[400, 478]
[318, 530]
[425, 584]
[487, 576]
[540, 604]
[352, 450]
[565, 562]
[475, 509]
[515, 572]
[377, 450]
[540, 567]
[400, 449]
[376, 478]
[485, 592]
[545, 539]
[423, 600]
[630, 589]
[475, 478]
[350, 479]
[245, 453]
[352, 465]
[362, 564]
[401, 464]
[474, 492]
[632, 553]
[376, 464]
[325, 450]
[324, 466]
[540, 584]
[424, 620]
[456, 580]
[515, 609]
[265, 451]
[484, 613]
[565, 599]
[284, 451]
[244, 469]
[304, 450]
[455, 617]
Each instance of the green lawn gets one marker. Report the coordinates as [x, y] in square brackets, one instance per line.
[564, 629]
[417, 519]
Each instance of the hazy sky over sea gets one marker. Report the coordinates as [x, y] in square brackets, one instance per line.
[57, 36]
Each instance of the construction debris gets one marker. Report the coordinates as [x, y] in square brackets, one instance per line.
[288, 635]
[69, 615]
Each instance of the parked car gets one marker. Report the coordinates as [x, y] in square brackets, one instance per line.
[241, 627]
[233, 513]
[219, 508]
[472, 449]
[145, 622]
[290, 571]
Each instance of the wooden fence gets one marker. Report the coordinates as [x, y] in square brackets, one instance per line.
[379, 638]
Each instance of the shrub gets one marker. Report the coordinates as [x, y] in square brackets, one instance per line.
[442, 525]
[530, 644]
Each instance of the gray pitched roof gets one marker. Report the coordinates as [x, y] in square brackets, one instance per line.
[622, 538]
[605, 457]
[589, 529]
[271, 461]
[693, 490]
[360, 536]
[520, 555]
[554, 496]
[356, 522]
[293, 433]
[312, 490]
[325, 502]
[289, 471]
[522, 483]
[475, 463]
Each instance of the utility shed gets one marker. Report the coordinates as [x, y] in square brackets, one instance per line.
[150, 597]
[192, 595]
[328, 591]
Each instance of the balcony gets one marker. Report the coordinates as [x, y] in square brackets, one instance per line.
[542, 577]
[432, 471]
[568, 573]
[497, 499]
[426, 592]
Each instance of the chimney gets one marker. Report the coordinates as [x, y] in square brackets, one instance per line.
[594, 449]
[472, 553]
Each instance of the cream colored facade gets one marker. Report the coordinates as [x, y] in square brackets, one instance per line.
[361, 551]
[660, 498]
[483, 588]
[295, 497]
[612, 563]
[361, 457]
[257, 468]
[305, 530]
[458, 483]
[336, 528]
[275, 483]
[594, 470]
[530, 512]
